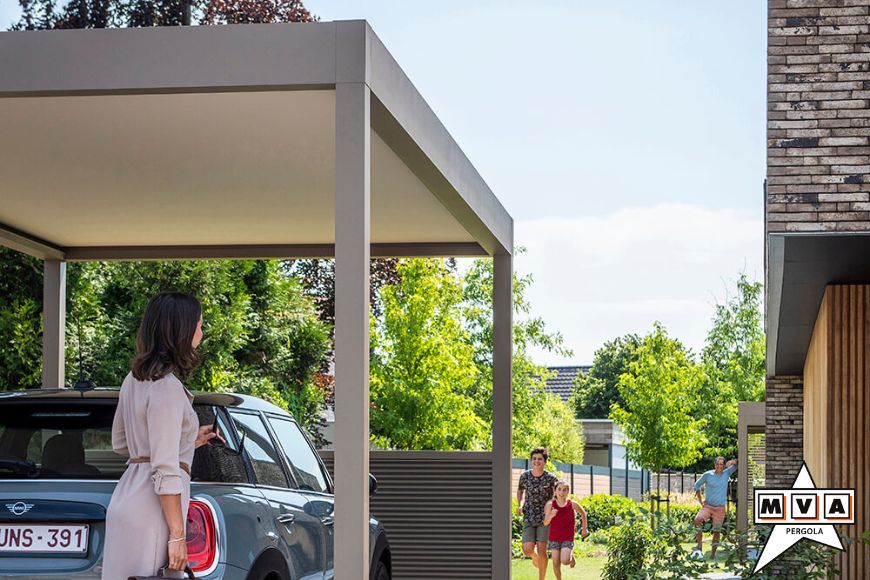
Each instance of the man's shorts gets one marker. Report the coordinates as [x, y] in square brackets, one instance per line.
[717, 512]
[560, 545]
[535, 532]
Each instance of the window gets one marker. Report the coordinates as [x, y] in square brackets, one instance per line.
[257, 443]
[220, 461]
[51, 440]
[303, 462]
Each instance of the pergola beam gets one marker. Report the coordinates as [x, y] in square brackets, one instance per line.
[27, 244]
[264, 252]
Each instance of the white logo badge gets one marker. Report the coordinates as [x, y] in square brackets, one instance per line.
[19, 508]
[802, 511]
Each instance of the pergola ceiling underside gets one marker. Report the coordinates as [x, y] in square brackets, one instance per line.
[195, 169]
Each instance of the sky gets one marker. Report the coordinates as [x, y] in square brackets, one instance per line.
[626, 138]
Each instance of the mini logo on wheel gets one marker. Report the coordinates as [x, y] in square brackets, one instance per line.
[19, 508]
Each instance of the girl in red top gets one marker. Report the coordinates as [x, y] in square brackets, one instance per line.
[559, 515]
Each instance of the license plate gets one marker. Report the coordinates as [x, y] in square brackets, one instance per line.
[44, 538]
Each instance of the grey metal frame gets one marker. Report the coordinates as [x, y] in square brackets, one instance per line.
[371, 92]
[750, 419]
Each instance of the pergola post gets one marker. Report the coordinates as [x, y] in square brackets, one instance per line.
[352, 252]
[54, 323]
[502, 353]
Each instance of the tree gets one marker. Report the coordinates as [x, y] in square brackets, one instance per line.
[46, 14]
[422, 365]
[733, 358]
[595, 391]
[539, 418]
[20, 320]
[661, 395]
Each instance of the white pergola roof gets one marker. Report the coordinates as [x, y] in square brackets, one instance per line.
[160, 142]
[248, 141]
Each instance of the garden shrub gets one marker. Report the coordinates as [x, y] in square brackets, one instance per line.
[627, 549]
[603, 510]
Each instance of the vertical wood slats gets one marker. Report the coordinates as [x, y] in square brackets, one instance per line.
[437, 510]
[840, 447]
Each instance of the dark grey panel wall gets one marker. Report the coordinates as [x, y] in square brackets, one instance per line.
[436, 508]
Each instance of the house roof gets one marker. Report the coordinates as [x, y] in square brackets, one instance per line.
[562, 383]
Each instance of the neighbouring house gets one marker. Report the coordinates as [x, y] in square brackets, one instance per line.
[817, 241]
[562, 383]
[604, 444]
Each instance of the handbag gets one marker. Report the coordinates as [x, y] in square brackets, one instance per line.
[165, 573]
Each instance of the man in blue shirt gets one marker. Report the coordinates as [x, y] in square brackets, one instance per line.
[715, 483]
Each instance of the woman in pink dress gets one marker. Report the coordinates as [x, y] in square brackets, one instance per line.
[156, 426]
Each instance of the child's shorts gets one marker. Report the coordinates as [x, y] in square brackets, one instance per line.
[561, 545]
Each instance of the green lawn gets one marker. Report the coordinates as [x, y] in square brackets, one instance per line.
[586, 568]
[590, 566]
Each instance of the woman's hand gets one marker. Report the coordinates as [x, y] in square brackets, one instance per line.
[206, 434]
[177, 555]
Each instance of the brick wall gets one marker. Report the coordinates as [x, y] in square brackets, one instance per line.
[784, 440]
[818, 161]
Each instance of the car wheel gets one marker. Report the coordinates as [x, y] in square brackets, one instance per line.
[381, 572]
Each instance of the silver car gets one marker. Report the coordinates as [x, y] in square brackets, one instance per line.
[261, 503]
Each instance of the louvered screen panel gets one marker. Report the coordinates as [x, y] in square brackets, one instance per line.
[437, 510]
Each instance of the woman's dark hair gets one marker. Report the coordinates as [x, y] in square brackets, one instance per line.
[164, 341]
[540, 451]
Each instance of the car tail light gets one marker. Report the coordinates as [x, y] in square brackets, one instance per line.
[202, 542]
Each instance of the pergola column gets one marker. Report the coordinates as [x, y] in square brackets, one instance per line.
[54, 323]
[502, 353]
[352, 252]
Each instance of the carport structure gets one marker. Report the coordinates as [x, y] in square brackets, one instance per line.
[249, 141]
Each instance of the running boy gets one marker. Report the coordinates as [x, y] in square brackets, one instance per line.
[559, 515]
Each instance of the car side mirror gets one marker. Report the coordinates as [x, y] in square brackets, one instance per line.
[373, 484]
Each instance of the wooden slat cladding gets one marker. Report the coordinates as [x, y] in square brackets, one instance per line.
[437, 510]
[837, 405]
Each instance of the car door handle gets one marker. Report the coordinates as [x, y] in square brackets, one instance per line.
[286, 519]
[327, 521]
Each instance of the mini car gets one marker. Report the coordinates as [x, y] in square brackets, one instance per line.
[261, 500]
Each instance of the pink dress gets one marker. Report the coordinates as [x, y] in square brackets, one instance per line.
[154, 419]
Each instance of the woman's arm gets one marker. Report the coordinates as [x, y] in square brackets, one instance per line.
[550, 512]
[177, 546]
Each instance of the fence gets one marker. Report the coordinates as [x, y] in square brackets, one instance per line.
[588, 479]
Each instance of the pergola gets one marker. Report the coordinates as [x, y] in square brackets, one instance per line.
[249, 141]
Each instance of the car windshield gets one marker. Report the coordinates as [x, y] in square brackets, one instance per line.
[58, 440]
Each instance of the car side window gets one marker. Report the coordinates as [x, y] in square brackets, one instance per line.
[303, 463]
[220, 460]
[257, 443]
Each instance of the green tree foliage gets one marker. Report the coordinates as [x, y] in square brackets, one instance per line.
[733, 359]
[45, 14]
[262, 335]
[661, 393]
[595, 391]
[422, 364]
[539, 418]
[20, 320]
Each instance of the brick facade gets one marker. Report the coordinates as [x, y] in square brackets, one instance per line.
[784, 434]
[818, 121]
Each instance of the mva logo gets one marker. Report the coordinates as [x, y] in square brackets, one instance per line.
[801, 511]
[798, 506]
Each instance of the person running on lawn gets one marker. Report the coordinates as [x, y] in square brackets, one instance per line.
[559, 516]
[537, 485]
[715, 483]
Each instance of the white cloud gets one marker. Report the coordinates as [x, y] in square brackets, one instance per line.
[599, 277]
